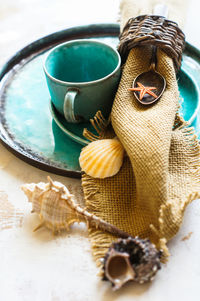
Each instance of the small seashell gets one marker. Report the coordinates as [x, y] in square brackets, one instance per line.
[58, 209]
[34, 192]
[131, 259]
[102, 158]
[49, 201]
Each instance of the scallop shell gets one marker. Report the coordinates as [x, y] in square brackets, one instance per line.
[102, 158]
[131, 259]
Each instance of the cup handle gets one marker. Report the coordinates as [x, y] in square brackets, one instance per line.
[68, 106]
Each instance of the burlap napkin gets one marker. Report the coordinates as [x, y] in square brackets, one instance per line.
[161, 172]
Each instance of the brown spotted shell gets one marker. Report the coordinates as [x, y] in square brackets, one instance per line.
[131, 259]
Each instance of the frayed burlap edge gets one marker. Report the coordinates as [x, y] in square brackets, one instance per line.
[101, 241]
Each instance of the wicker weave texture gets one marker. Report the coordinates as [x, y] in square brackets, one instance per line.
[153, 30]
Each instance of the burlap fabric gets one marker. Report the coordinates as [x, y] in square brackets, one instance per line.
[161, 172]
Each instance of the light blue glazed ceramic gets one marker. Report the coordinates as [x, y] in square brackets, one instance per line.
[82, 78]
[46, 140]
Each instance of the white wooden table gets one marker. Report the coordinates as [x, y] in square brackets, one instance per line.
[38, 266]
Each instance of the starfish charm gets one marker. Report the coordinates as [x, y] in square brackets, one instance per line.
[144, 90]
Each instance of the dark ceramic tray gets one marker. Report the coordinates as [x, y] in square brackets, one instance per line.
[26, 125]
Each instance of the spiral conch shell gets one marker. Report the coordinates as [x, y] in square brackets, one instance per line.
[58, 208]
[49, 201]
[102, 158]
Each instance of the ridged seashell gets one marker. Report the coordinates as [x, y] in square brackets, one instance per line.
[102, 158]
[49, 201]
[58, 209]
[34, 192]
[131, 259]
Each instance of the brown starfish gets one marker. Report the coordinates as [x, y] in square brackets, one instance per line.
[144, 90]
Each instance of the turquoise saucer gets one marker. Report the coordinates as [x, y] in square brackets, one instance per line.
[44, 139]
[72, 130]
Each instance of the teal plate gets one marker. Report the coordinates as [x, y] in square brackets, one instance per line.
[27, 127]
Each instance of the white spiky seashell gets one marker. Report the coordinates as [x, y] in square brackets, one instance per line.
[58, 209]
[102, 158]
[49, 201]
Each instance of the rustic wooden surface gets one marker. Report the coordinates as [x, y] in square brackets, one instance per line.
[39, 266]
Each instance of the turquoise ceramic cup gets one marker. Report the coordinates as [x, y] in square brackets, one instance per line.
[82, 78]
